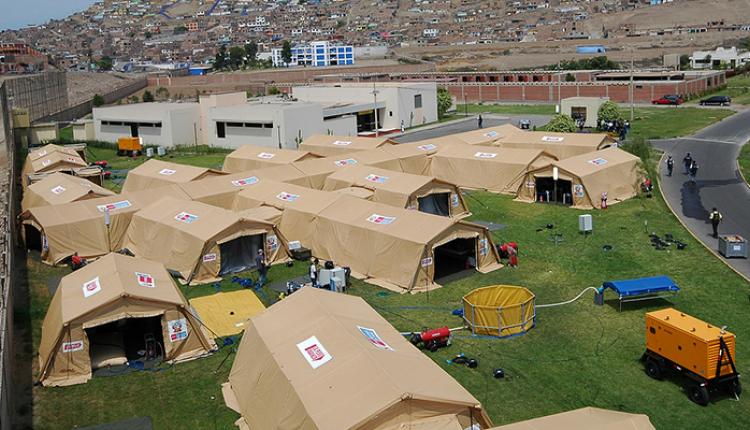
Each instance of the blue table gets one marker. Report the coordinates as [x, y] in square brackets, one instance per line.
[632, 290]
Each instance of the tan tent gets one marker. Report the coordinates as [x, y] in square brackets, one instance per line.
[220, 191]
[45, 150]
[398, 249]
[201, 242]
[59, 188]
[561, 145]
[251, 157]
[583, 179]
[59, 231]
[156, 173]
[101, 314]
[316, 171]
[484, 136]
[498, 170]
[584, 419]
[319, 360]
[423, 193]
[51, 162]
[326, 145]
[413, 158]
[288, 173]
[280, 195]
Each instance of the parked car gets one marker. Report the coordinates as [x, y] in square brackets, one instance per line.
[669, 99]
[716, 101]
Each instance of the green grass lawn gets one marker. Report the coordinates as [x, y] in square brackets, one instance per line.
[577, 355]
[66, 133]
[744, 161]
[520, 109]
[662, 123]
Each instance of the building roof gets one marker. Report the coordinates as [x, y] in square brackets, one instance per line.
[146, 112]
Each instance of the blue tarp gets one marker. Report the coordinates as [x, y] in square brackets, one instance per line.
[637, 287]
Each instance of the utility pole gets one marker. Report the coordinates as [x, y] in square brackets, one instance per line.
[375, 95]
[632, 95]
[559, 86]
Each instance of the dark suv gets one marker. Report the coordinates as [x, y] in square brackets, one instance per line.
[716, 101]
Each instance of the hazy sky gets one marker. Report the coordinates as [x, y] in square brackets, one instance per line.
[19, 13]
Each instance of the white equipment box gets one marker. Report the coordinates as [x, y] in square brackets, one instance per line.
[585, 223]
[338, 274]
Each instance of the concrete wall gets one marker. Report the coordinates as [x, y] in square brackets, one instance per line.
[43, 133]
[217, 100]
[82, 109]
[184, 127]
[341, 126]
[300, 122]
[43, 94]
[178, 127]
[83, 130]
[591, 104]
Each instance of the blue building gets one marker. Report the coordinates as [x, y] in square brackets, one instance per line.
[590, 49]
[316, 54]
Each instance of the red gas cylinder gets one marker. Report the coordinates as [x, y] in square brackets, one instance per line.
[435, 334]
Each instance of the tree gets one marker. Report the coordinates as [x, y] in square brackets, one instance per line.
[236, 56]
[272, 91]
[180, 30]
[162, 93]
[562, 123]
[133, 99]
[104, 64]
[98, 100]
[444, 101]
[286, 52]
[608, 112]
[684, 62]
[251, 52]
[148, 97]
[220, 61]
[569, 77]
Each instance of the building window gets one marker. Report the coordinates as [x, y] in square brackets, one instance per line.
[221, 131]
[417, 101]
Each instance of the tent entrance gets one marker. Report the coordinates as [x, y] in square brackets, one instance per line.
[545, 191]
[127, 339]
[454, 257]
[32, 237]
[238, 254]
[436, 204]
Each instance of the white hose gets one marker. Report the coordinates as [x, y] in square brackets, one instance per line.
[569, 301]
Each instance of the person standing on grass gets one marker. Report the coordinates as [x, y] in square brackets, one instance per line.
[314, 272]
[480, 121]
[693, 171]
[687, 162]
[512, 256]
[260, 264]
[670, 165]
[715, 218]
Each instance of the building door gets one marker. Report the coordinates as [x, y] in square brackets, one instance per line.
[133, 130]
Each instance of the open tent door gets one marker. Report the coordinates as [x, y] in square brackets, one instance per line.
[127, 339]
[239, 254]
[32, 238]
[545, 191]
[435, 204]
[454, 257]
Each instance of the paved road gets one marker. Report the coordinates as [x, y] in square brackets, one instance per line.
[718, 184]
[470, 124]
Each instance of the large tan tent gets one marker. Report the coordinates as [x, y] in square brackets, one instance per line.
[319, 360]
[584, 419]
[156, 173]
[413, 158]
[220, 191]
[423, 193]
[55, 161]
[561, 145]
[484, 136]
[103, 314]
[59, 231]
[288, 173]
[280, 195]
[326, 145]
[498, 170]
[399, 249]
[316, 171]
[583, 179]
[58, 188]
[251, 157]
[201, 242]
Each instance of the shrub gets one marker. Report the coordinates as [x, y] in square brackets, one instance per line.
[562, 123]
[444, 101]
[608, 111]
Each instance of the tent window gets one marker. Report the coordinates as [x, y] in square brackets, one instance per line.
[436, 204]
[454, 257]
[239, 254]
[545, 191]
[128, 339]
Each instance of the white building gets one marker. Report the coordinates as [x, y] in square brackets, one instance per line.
[728, 57]
[163, 124]
[408, 104]
[316, 54]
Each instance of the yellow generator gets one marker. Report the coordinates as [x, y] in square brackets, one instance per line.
[702, 352]
[126, 145]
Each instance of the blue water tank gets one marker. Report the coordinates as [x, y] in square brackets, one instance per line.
[590, 49]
